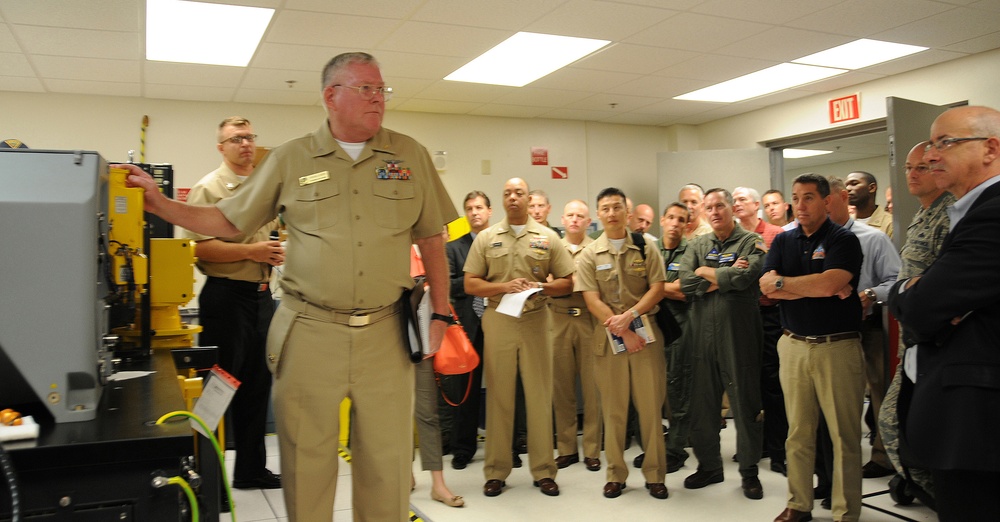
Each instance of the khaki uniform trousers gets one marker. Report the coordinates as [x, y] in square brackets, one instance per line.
[641, 376]
[572, 356]
[513, 345]
[321, 364]
[827, 377]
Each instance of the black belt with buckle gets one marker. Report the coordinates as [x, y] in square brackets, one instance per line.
[570, 311]
[820, 339]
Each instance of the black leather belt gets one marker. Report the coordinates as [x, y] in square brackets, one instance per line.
[820, 339]
[241, 285]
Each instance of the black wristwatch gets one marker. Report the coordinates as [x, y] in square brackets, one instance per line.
[441, 317]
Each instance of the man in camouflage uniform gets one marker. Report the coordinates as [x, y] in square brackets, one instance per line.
[924, 238]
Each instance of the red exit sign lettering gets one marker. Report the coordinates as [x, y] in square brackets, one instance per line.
[846, 108]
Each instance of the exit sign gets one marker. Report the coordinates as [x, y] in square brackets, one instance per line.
[846, 108]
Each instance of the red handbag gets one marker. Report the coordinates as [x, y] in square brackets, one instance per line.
[456, 356]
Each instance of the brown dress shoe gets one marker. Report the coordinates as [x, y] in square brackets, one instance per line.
[564, 461]
[613, 489]
[657, 490]
[792, 515]
[548, 487]
[493, 487]
[592, 464]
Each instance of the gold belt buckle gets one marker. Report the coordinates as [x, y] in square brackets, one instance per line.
[574, 312]
[358, 320]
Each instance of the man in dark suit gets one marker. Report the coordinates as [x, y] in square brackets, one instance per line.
[952, 314]
[465, 417]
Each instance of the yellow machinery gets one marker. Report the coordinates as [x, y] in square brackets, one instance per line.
[169, 266]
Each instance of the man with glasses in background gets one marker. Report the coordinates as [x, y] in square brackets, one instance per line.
[235, 306]
[354, 196]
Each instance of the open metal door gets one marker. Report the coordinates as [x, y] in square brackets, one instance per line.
[908, 122]
[712, 168]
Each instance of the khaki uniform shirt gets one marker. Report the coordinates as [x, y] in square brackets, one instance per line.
[621, 278]
[217, 185]
[575, 299]
[497, 255]
[700, 230]
[881, 220]
[350, 222]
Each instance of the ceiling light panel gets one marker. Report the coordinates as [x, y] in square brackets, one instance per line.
[860, 53]
[196, 32]
[524, 58]
[773, 79]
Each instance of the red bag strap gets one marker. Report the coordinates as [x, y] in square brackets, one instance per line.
[468, 388]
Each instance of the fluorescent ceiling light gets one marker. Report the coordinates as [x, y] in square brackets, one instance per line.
[860, 53]
[196, 32]
[802, 153]
[524, 58]
[772, 79]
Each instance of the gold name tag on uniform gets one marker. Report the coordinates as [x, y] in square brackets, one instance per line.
[313, 178]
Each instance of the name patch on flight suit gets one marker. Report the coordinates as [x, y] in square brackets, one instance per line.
[727, 258]
[674, 267]
[819, 253]
[392, 170]
[314, 178]
[712, 256]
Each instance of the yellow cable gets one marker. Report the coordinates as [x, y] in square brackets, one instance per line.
[190, 495]
[218, 452]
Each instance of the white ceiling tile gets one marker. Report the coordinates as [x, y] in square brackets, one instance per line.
[772, 44]
[112, 15]
[841, 81]
[7, 42]
[671, 108]
[21, 83]
[695, 32]
[612, 102]
[398, 9]
[280, 97]
[915, 61]
[583, 80]
[976, 45]
[954, 26]
[512, 15]
[535, 97]
[272, 55]
[633, 58]
[509, 111]
[768, 12]
[602, 20]
[715, 68]
[862, 18]
[193, 74]
[991, 5]
[443, 107]
[439, 39]
[577, 114]
[109, 88]
[423, 66]
[463, 92]
[60, 41]
[660, 86]
[635, 118]
[187, 92]
[15, 64]
[277, 80]
[95, 69]
[332, 30]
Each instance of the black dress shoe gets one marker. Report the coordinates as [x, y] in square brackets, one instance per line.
[564, 461]
[875, 470]
[266, 481]
[825, 503]
[592, 464]
[613, 489]
[493, 487]
[639, 459]
[821, 492]
[516, 461]
[674, 464]
[657, 490]
[752, 488]
[779, 467]
[702, 478]
[548, 486]
[460, 461]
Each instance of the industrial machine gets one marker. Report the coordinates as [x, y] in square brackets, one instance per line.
[76, 249]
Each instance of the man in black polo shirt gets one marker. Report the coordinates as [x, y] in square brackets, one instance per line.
[814, 270]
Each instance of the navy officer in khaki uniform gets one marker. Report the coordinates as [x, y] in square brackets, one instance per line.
[621, 283]
[354, 196]
[513, 256]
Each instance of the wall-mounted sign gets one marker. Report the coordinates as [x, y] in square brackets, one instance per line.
[539, 156]
[846, 108]
[560, 172]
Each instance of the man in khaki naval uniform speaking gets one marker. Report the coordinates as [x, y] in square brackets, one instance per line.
[354, 196]
[513, 256]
